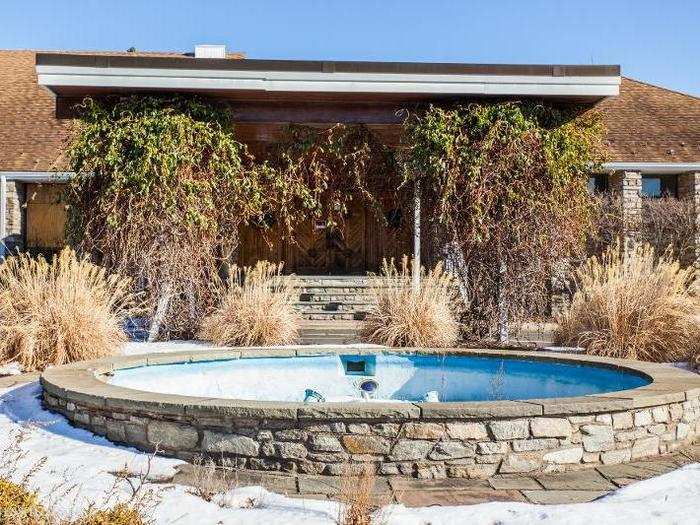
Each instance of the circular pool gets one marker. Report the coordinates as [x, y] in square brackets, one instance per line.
[397, 377]
[423, 413]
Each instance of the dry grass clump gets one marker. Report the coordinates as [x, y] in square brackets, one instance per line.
[120, 514]
[256, 309]
[634, 305]
[403, 316]
[52, 313]
[19, 506]
[356, 487]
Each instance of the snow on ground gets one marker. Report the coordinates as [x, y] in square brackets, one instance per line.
[78, 459]
[140, 347]
[77, 464]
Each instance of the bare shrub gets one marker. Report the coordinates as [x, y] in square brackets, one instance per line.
[669, 223]
[57, 312]
[634, 305]
[664, 223]
[209, 481]
[404, 316]
[356, 487]
[256, 309]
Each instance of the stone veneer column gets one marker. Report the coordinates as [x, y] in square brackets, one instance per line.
[14, 223]
[689, 188]
[628, 185]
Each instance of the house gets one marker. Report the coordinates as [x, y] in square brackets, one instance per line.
[653, 133]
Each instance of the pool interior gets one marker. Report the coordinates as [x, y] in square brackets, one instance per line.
[379, 377]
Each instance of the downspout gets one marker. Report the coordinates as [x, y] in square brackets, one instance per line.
[3, 216]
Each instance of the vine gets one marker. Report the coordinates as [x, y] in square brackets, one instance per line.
[161, 190]
[330, 168]
[508, 183]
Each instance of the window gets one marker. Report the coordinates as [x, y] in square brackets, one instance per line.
[656, 186]
[597, 183]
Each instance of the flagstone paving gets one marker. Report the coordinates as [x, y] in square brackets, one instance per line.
[567, 487]
[555, 488]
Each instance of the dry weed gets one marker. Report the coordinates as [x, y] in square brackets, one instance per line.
[356, 495]
[57, 312]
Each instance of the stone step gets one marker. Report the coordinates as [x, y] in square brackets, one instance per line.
[307, 297]
[332, 306]
[333, 316]
[329, 332]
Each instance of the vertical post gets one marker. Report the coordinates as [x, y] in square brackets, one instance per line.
[3, 216]
[628, 185]
[415, 281]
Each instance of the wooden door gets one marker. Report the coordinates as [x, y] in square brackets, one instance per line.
[354, 247]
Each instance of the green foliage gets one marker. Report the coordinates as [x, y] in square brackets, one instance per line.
[162, 189]
[508, 181]
[176, 157]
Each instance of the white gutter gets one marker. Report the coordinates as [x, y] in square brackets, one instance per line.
[653, 167]
[305, 81]
[37, 176]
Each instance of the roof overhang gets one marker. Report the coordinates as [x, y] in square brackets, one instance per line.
[74, 74]
[658, 168]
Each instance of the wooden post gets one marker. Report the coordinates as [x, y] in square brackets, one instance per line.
[415, 281]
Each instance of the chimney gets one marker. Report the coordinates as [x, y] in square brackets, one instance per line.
[209, 51]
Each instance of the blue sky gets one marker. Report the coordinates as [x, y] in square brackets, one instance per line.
[657, 41]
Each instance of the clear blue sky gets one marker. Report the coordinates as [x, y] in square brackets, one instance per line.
[657, 41]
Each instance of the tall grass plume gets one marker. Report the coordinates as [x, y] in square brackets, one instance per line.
[256, 309]
[404, 316]
[60, 311]
[633, 304]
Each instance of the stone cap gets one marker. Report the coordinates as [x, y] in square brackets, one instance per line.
[83, 383]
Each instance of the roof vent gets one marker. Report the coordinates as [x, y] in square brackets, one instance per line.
[209, 51]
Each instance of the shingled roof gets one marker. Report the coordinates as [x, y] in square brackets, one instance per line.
[648, 123]
[645, 123]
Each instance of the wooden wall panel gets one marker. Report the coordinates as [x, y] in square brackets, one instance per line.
[46, 216]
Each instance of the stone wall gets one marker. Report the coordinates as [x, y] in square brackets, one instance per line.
[423, 449]
[424, 440]
[689, 188]
[628, 184]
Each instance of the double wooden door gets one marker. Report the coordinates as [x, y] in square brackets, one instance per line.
[354, 247]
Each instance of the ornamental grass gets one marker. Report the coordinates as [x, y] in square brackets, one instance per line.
[57, 312]
[120, 514]
[256, 309]
[19, 506]
[406, 317]
[633, 304]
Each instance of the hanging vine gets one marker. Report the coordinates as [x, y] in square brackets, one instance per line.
[508, 183]
[162, 187]
[330, 169]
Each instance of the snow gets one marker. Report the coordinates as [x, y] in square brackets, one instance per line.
[12, 368]
[77, 464]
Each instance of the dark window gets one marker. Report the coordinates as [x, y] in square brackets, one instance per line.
[394, 218]
[597, 183]
[656, 186]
